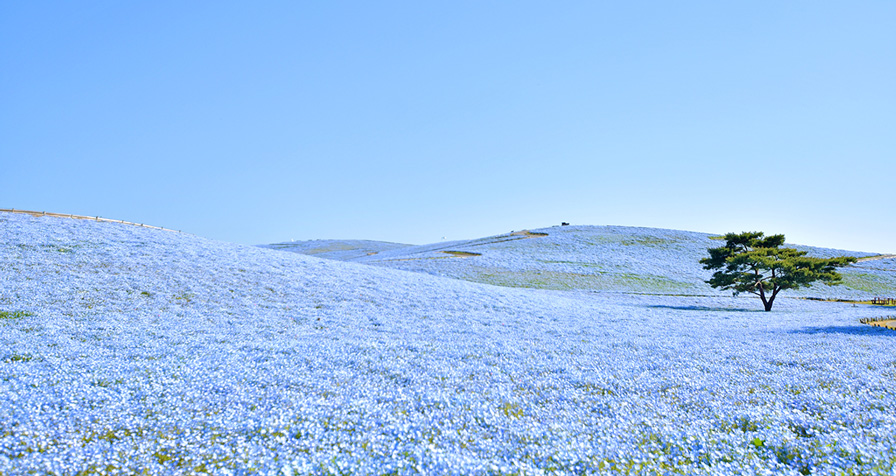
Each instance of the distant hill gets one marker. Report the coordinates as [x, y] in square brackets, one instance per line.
[342, 250]
[590, 258]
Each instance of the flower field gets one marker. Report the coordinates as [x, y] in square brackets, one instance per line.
[128, 350]
[590, 258]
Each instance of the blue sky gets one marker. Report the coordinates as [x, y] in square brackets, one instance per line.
[417, 121]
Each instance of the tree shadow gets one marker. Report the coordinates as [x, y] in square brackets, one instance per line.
[858, 329]
[704, 308]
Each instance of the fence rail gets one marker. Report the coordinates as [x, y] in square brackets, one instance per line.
[82, 217]
[884, 301]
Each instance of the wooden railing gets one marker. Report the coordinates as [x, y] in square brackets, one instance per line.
[884, 301]
[82, 217]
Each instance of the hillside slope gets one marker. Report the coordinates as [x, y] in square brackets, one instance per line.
[125, 350]
[343, 250]
[607, 259]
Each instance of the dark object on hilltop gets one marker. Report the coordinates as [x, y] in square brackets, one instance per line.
[564, 224]
[750, 262]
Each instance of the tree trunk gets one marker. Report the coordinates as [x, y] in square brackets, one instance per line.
[765, 302]
[768, 304]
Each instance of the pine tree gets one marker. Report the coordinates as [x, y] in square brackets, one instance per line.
[754, 263]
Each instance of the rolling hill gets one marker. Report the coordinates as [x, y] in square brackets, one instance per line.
[596, 258]
[127, 350]
[342, 250]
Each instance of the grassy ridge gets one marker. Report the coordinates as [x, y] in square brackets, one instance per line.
[607, 258]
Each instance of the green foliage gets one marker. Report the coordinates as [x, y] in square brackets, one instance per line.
[184, 297]
[462, 254]
[511, 410]
[14, 314]
[17, 358]
[561, 280]
[754, 263]
[869, 283]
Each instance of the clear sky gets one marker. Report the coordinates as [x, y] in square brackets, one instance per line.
[258, 122]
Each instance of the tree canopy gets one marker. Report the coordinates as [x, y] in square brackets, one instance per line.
[754, 263]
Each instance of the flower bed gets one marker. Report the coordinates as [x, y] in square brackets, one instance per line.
[128, 349]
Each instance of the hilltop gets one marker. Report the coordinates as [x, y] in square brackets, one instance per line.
[594, 258]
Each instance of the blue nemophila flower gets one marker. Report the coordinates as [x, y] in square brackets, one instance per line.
[143, 350]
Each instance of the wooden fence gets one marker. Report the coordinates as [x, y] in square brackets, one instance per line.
[884, 301]
[82, 217]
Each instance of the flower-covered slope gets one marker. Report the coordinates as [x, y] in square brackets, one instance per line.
[604, 258]
[343, 250]
[125, 350]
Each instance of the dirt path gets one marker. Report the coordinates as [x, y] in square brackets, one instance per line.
[527, 233]
[872, 258]
[82, 217]
[891, 324]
